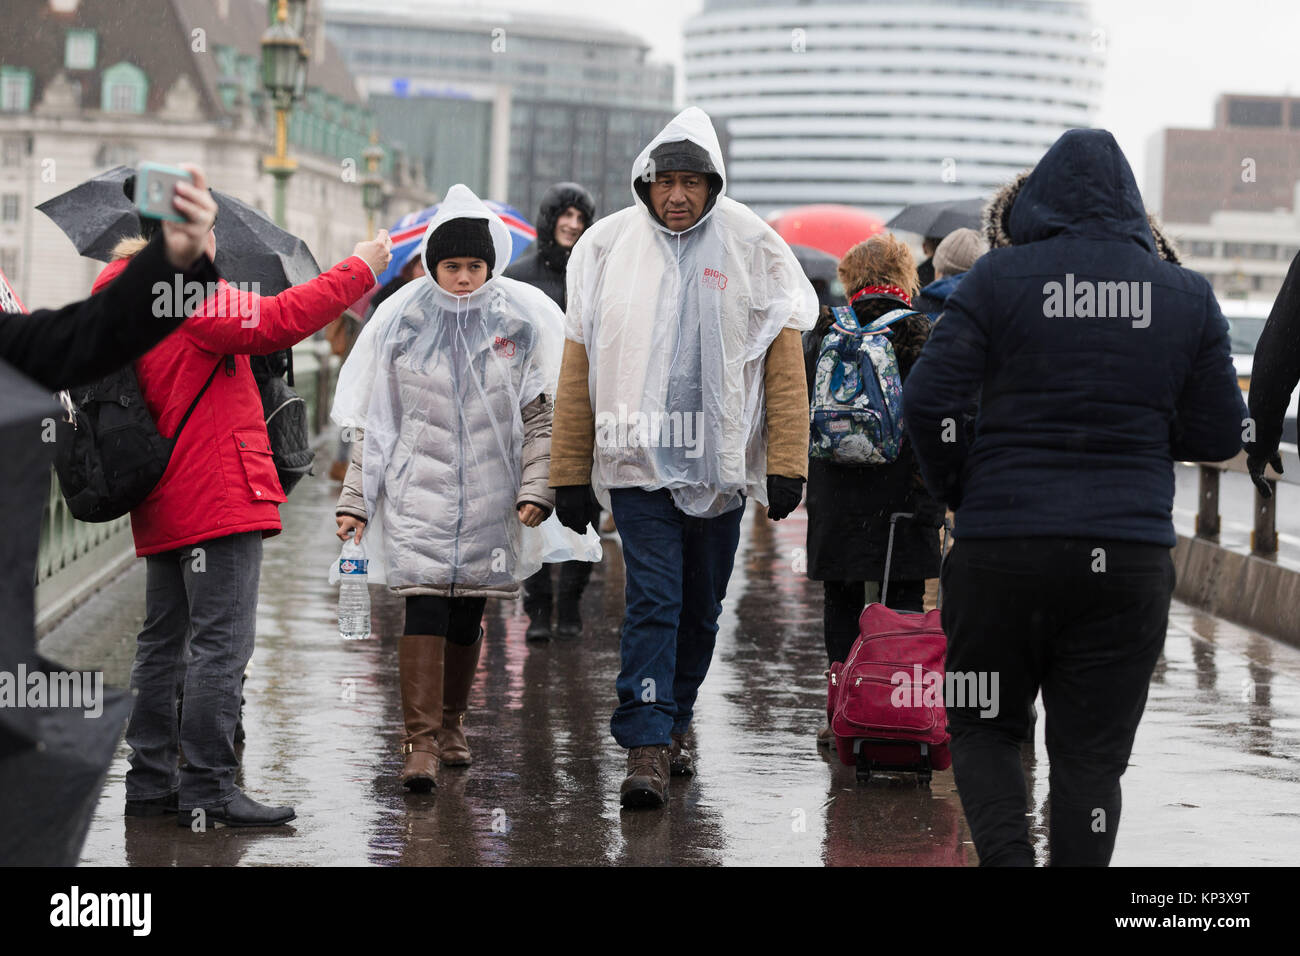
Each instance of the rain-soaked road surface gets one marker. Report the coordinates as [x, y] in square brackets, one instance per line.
[1214, 776]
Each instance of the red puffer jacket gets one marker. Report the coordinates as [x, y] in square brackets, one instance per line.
[221, 479]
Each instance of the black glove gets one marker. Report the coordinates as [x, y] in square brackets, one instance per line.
[573, 508]
[593, 508]
[783, 495]
[1255, 464]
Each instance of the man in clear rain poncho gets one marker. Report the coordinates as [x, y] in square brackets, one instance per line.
[452, 382]
[681, 395]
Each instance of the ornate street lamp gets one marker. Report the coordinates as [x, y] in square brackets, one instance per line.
[372, 185]
[284, 69]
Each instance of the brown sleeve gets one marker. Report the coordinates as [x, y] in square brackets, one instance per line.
[573, 435]
[787, 406]
[351, 500]
[536, 455]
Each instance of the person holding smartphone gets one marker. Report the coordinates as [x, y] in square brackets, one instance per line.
[220, 496]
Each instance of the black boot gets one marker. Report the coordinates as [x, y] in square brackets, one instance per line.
[241, 811]
[569, 619]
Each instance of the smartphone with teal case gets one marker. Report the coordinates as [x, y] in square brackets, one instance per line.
[155, 185]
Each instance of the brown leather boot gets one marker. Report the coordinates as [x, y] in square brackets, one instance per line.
[646, 784]
[462, 664]
[420, 669]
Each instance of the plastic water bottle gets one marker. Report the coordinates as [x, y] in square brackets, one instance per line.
[354, 595]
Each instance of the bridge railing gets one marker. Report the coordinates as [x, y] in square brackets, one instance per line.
[1263, 537]
[76, 558]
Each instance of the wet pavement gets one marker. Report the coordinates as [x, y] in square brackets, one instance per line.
[1214, 775]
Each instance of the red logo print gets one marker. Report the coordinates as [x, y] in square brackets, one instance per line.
[504, 347]
[713, 279]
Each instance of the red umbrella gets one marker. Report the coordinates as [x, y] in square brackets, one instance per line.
[830, 228]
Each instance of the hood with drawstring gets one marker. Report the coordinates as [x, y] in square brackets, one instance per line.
[544, 265]
[676, 326]
[438, 382]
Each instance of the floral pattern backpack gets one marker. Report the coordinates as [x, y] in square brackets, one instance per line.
[856, 414]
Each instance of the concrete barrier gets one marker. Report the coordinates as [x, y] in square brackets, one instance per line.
[1244, 588]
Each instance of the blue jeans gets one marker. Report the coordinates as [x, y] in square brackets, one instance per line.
[677, 571]
[211, 606]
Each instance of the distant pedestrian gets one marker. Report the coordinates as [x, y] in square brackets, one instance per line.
[681, 395]
[567, 210]
[952, 260]
[1273, 378]
[925, 271]
[201, 532]
[849, 505]
[1099, 365]
[450, 389]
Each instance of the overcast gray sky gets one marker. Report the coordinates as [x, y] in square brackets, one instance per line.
[1167, 59]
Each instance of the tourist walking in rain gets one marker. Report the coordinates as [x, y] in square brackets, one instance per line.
[566, 211]
[450, 387]
[681, 396]
[1099, 365]
[220, 491]
[952, 260]
[849, 505]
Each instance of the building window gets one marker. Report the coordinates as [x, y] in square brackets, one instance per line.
[15, 89]
[11, 152]
[9, 264]
[9, 207]
[125, 89]
[79, 50]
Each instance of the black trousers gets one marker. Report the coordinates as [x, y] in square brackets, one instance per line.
[1084, 620]
[844, 601]
[538, 593]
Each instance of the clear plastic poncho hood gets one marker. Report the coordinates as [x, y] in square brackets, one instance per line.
[438, 381]
[676, 327]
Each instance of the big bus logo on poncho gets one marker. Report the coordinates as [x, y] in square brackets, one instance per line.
[504, 347]
[713, 279]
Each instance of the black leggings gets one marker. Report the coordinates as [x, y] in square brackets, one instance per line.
[844, 603]
[457, 619]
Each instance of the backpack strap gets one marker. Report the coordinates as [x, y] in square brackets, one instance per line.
[194, 404]
[888, 319]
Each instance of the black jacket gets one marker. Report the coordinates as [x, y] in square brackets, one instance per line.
[1276, 368]
[1081, 416]
[84, 341]
[544, 265]
[849, 507]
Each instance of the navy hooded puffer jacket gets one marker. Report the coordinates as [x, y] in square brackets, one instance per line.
[1089, 390]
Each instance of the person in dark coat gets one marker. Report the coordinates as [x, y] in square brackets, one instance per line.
[566, 211]
[1098, 365]
[1273, 378]
[849, 507]
[925, 271]
[952, 260]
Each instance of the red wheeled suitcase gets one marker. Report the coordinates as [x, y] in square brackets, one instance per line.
[885, 702]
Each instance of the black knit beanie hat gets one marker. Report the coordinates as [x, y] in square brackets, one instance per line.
[462, 237]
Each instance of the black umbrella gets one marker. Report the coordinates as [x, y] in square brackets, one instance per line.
[937, 219]
[52, 760]
[822, 270]
[96, 215]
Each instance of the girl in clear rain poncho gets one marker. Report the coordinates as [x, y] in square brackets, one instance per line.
[451, 385]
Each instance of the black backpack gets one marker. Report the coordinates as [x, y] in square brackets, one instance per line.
[111, 454]
[286, 417]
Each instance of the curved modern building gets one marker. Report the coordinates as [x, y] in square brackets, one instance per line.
[882, 103]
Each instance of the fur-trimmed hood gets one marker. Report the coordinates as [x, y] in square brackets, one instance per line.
[1063, 200]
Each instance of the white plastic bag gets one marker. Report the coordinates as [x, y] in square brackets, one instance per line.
[553, 543]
